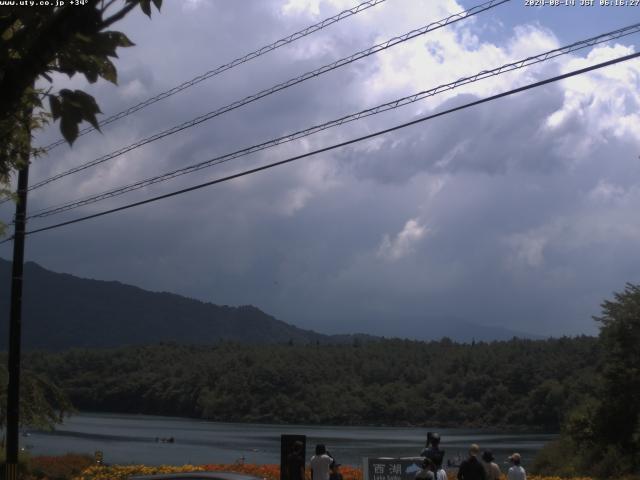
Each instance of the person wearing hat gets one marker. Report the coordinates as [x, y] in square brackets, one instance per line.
[516, 472]
[471, 468]
[491, 468]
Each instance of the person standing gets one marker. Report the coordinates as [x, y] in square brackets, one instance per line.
[335, 471]
[321, 464]
[516, 472]
[432, 449]
[427, 471]
[471, 468]
[490, 467]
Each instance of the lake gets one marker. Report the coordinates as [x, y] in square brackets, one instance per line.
[127, 439]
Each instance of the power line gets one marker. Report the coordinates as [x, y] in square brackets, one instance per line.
[227, 66]
[340, 121]
[281, 86]
[339, 145]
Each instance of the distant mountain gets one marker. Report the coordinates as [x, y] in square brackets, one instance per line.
[62, 311]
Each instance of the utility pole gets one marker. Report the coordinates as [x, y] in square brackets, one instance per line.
[15, 326]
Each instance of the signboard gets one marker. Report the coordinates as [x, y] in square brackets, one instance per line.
[286, 448]
[385, 468]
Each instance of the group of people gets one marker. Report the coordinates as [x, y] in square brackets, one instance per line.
[486, 469]
[432, 463]
[472, 468]
[475, 467]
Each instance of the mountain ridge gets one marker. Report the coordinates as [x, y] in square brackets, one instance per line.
[61, 311]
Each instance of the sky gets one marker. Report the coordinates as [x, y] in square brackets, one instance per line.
[519, 213]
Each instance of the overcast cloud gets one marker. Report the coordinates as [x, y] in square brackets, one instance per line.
[519, 213]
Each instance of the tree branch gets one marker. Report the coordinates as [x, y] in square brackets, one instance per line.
[118, 16]
[106, 7]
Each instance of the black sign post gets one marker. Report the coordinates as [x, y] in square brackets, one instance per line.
[286, 448]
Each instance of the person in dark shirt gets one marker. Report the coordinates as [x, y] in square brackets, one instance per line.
[335, 471]
[295, 463]
[471, 468]
[432, 449]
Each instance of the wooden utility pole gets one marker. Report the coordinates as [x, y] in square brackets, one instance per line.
[15, 326]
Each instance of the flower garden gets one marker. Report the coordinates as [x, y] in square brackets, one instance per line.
[81, 467]
[267, 472]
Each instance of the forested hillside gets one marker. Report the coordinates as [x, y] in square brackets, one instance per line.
[62, 311]
[514, 383]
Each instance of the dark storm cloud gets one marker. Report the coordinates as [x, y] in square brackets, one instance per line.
[486, 138]
[517, 213]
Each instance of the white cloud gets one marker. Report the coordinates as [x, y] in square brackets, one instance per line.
[404, 243]
[191, 5]
[605, 103]
[527, 249]
[313, 7]
[605, 191]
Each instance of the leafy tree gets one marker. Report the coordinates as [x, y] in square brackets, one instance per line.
[35, 43]
[546, 403]
[602, 434]
[618, 418]
[42, 403]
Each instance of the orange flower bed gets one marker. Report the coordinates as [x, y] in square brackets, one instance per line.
[267, 472]
[272, 472]
[59, 467]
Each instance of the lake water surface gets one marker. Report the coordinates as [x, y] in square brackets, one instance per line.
[126, 439]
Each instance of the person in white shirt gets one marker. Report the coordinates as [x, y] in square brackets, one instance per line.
[321, 464]
[516, 472]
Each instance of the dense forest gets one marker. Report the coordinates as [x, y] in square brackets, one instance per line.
[531, 383]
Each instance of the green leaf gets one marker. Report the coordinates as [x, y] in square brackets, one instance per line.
[91, 118]
[56, 107]
[108, 72]
[76, 106]
[69, 129]
[157, 3]
[145, 5]
[91, 73]
[122, 40]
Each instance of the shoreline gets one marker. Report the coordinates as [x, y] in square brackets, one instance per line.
[493, 429]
